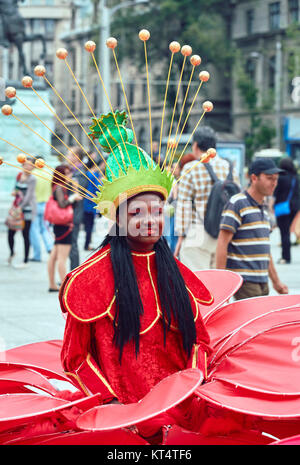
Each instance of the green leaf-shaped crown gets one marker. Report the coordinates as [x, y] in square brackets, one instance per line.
[129, 169]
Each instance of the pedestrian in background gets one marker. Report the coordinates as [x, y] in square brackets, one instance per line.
[39, 228]
[25, 201]
[243, 244]
[62, 232]
[79, 176]
[288, 185]
[195, 247]
[89, 211]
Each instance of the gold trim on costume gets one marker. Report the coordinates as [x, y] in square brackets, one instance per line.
[156, 299]
[144, 254]
[99, 375]
[205, 365]
[159, 313]
[104, 254]
[175, 328]
[108, 310]
[205, 301]
[195, 356]
[83, 387]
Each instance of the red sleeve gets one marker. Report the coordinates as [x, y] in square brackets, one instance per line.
[79, 363]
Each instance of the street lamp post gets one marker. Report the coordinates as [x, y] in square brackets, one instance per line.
[103, 56]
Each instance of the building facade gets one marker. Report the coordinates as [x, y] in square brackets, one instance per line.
[69, 24]
[265, 34]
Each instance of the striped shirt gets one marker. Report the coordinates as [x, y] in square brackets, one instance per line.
[249, 250]
[194, 190]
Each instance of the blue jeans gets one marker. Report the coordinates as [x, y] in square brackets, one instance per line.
[169, 232]
[38, 229]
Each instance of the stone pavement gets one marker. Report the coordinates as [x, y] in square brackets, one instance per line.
[29, 313]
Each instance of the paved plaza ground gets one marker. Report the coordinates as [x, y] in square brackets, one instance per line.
[29, 313]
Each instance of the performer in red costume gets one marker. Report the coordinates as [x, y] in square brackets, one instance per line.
[132, 308]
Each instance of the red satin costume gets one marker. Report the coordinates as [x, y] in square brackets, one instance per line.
[89, 355]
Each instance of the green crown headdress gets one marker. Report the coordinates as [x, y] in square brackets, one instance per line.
[129, 169]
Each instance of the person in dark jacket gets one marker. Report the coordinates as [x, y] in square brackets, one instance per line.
[74, 156]
[285, 183]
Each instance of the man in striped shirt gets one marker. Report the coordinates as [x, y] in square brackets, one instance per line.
[244, 242]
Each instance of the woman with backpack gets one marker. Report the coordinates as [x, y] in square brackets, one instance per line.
[24, 207]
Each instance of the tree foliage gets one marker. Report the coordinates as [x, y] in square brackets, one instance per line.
[198, 23]
[202, 24]
[261, 133]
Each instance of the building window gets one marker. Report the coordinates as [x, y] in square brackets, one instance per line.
[119, 94]
[96, 96]
[142, 137]
[49, 28]
[49, 68]
[131, 93]
[72, 54]
[292, 70]
[274, 15]
[271, 72]
[293, 11]
[250, 69]
[37, 26]
[144, 92]
[73, 100]
[249, 21]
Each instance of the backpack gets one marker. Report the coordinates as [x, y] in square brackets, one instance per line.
[220, 194]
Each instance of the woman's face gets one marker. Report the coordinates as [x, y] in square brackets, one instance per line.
[141, 219]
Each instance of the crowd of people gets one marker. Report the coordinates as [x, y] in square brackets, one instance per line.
[241, 243]
[31, 194]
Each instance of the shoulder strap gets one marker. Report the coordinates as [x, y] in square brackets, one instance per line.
[213, 175]
[230, 172]
[211, 172]
[292, 188]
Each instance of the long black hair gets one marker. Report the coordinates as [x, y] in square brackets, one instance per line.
[172, 293]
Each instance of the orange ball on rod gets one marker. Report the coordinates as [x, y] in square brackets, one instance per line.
[40, 70]
[195, 60]
[186, 50]
[144, 35]
[211, 152]
[27, 81]
[6, 110]
[62, 53]
[10, 92]
[90, 46]
[174, 46]
[207, 106]
[39, 163]
[21, 158]
[204, 76]
[111, 42]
